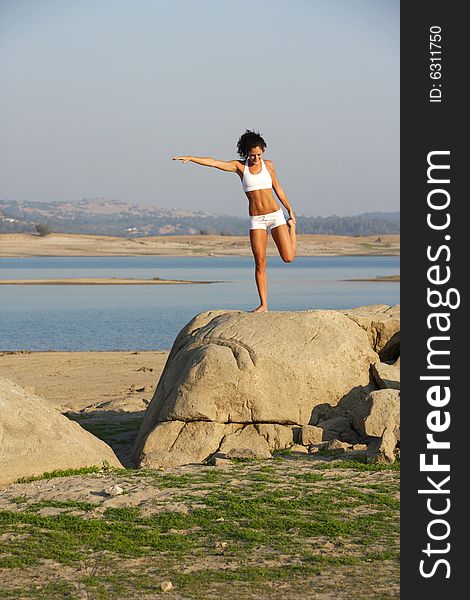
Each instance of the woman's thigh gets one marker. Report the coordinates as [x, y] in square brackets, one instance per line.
[259, 239]
[281, 238]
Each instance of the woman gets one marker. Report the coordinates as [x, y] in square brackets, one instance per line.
[258, 179]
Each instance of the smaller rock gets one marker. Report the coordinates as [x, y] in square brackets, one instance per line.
[339, 428]
[166, 586]
[382, 449]
[336, 445]
[220, 545]
[277, 436]
[359, 447]
[245, 443]
[384, 413]
[221, 462]
[114, 490]
[298, 449]
[293, 530]
[328, 545]
[310, 434]
[314, 448]
[386, 376]
[219, 459]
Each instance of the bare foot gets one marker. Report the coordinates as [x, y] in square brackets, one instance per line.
[260, 308]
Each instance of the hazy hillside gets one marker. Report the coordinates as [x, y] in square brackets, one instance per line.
[114, 217]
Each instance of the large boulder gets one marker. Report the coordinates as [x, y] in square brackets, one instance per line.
[35, 437]
[382, 324]
[229, 370]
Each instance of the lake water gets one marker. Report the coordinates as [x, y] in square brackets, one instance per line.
[128, 317]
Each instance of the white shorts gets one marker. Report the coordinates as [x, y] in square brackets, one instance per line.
[272, 220]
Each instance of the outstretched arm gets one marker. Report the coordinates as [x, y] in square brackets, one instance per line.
[231, 165]
[280, 193]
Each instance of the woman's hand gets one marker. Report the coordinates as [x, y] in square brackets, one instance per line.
[183, 159]
[292, 216]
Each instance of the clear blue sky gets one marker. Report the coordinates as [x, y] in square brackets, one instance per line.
[97, 95]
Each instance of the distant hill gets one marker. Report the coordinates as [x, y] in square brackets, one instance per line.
[101, 216]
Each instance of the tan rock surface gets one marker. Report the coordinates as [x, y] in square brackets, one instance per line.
[274, 368]
[35, 437]
[386, 376]
[382, 425]
[384, 413]
[381, 322]
[277, 436]
[310, 434]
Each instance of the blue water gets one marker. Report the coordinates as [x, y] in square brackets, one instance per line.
[103, 317]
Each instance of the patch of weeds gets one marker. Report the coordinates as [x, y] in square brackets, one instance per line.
[71, 504]
[15, 562]
[211, 476]
[279, 454]
[254, 575]
[260, 476]
[356, 465]
[375, 498]
[50, 591]
[67, 538]
[128, 513]
[19, 500]
[105, 468]
[384, 488]
[308, 477]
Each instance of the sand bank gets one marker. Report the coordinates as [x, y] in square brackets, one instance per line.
[77, 380]
[61, 244]
[379, 278]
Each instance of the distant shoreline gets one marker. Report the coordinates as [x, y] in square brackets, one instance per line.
[23, 245]
[379, 278]
[98, 281]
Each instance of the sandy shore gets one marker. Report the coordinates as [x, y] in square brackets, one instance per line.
[97, 281]
[119, 381]
[61, 244]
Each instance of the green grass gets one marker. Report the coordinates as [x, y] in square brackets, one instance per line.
[263, 512]
[66, 504]
[62, 473]
[357, 465]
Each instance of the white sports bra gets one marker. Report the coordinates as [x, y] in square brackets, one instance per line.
[260, 181]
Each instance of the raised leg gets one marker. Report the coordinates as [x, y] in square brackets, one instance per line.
[258, 239]
[285, 239]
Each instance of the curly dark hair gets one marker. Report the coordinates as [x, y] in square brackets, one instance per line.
[249, 140]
